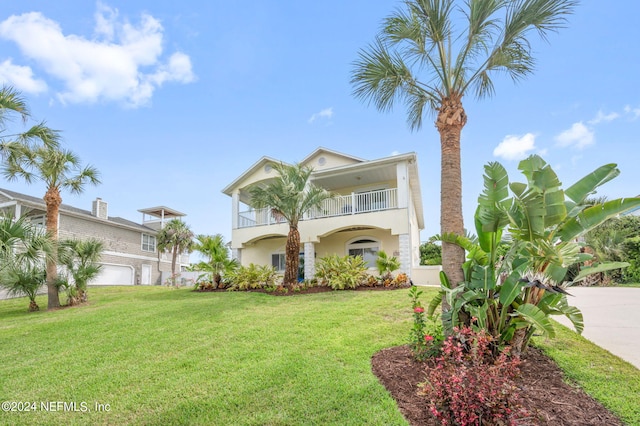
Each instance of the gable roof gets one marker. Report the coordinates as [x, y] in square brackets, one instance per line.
[74, 211]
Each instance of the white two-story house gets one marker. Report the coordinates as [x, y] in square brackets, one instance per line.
[378, 206]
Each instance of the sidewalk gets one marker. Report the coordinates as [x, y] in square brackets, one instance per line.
[611, 319]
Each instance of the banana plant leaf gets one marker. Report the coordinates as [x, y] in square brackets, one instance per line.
[579, 191]
[510, 289]
[593, 216]
[483, 278]
[600, 267]
[536, 318]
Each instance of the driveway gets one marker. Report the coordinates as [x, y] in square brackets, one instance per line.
[611, 319]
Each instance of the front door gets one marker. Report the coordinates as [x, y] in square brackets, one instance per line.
[145, 279]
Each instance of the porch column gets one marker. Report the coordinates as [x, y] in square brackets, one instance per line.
[404, 247]
[402, 181]
[235, 205]
[309, 260]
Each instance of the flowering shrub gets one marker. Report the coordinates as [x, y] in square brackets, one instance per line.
[468, 387]
[425, 338]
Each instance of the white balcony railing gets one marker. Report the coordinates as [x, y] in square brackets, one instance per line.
[355, 203]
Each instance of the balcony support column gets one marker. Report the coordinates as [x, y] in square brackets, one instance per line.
[404, 247]
[309, 260]
[235, 206]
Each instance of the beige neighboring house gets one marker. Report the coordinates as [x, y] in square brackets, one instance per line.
[130, 254]
[378, 207]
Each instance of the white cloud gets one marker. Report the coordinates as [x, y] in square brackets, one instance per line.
[122, 63]
[602, 117]
[325, 113]
[634, 112]
[578, 136]
[515, 147]
[21, 78]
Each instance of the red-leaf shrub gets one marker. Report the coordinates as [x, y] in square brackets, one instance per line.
[468, 386]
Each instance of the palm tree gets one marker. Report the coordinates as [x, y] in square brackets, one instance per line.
[420, 60]
[81, 259]
[58, 169]
[176, 237]
[11, 102]
[217, 261]
[23, 252]
[289, 196]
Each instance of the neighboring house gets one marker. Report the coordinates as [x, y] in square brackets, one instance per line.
[378, 207]
[130, 254]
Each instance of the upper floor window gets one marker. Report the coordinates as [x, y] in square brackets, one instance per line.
[148, 243]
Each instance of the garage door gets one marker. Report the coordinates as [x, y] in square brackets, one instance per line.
[114, 275]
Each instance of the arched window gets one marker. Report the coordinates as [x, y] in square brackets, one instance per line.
[365, 247]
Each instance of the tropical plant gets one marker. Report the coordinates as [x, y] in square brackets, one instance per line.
[217, 262]
[175, 237]
[386, 265]
[252, 277]
[81, 258]
[24, 278]
[12, 102]
[58, 169]
[24, 249]
[289, 196]
[420, 59]
[608, 243]
[512, 297]
[343, 272]
[430, 253]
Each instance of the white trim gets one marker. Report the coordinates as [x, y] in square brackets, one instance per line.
[130, 256]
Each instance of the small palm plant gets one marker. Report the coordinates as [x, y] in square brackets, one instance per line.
[217, 262]
[386, 265]
[24, 250]
[81, 258]
[24, 278]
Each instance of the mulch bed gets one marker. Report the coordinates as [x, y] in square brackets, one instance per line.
[309, 290]
[545, 395]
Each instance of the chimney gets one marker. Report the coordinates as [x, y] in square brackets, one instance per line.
[99, 209]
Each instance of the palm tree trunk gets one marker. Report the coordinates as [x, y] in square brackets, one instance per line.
[52, 200]
[450, 121]
[174, 256]
[292, 257]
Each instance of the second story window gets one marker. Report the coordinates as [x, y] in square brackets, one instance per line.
[148, 243]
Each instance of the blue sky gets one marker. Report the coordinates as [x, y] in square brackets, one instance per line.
[172, 101]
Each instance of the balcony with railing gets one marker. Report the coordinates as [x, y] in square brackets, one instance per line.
[343, 205]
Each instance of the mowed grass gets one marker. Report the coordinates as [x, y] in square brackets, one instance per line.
[163, 356]
[159, 356]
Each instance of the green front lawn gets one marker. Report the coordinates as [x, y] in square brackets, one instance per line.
[164, 356]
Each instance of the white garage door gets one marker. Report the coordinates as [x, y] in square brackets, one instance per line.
[114, 275]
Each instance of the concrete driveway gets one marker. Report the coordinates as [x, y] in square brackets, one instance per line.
[611, 319]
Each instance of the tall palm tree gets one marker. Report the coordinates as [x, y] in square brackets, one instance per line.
[176, 237]
[81, 258]
[23, 252]
[11, 102]
[217, 261]
[289, 196]
[59, 169]
[421, 60]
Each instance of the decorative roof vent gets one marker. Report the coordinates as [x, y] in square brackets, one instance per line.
[100, 209]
